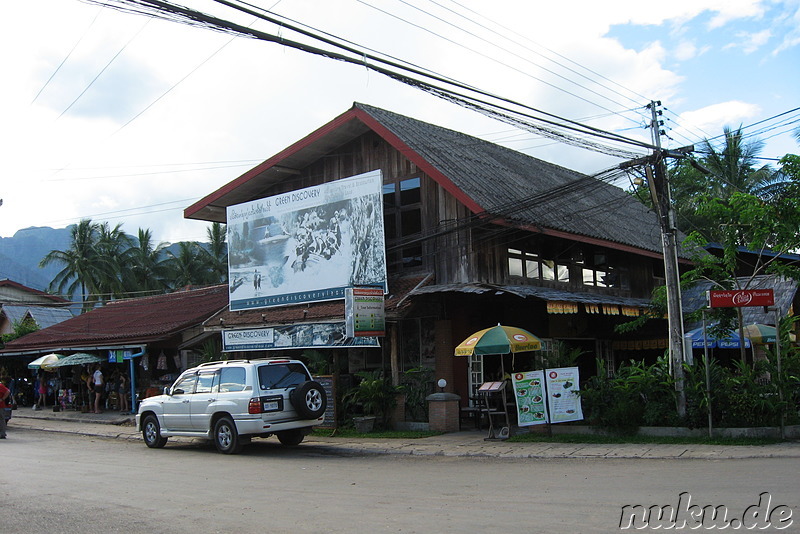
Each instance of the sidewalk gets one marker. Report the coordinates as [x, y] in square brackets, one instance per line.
[457, 444]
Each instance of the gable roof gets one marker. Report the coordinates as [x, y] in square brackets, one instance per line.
[44, 316]
[22, 293]
[131, 321]
[485, 177]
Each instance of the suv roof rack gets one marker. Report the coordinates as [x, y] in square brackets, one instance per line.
[247, 360]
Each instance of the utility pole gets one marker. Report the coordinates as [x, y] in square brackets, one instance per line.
[658, 181]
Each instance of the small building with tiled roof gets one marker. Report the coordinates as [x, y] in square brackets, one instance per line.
[15, 293]
[476, 234]
[161, 329]
[42, 316]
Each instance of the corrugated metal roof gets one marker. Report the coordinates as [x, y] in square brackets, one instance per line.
[502, 181]
[45, 316]
[484, 176]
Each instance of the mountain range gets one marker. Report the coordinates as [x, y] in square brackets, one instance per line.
[20, 255]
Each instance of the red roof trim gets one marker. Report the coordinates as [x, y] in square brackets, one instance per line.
[316, 135]
[418, 160]
[349, 115]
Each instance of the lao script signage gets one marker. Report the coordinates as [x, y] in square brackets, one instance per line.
[741, 298]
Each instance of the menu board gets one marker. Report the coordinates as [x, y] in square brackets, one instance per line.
[530, 395]
[563, 399]
[328, 384]
[549, 396]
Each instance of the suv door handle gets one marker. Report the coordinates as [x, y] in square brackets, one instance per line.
[211, 400]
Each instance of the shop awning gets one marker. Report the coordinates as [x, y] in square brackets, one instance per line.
[558, 301]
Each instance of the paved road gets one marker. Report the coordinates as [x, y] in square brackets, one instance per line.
[67, 483]
[460, 444]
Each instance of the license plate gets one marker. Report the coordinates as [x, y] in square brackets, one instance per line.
[270, 406]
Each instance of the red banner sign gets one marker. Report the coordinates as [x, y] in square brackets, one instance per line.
[741, 298]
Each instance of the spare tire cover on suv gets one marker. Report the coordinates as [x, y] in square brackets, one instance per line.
[309, 400]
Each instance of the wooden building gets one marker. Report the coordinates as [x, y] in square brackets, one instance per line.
[476, 235]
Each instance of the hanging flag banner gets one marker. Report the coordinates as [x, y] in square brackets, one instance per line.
[563, 395]
[307, 245]
[530, 395]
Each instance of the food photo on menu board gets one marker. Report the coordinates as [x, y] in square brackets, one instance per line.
[549, 396]
[563, 398]
[530, 395]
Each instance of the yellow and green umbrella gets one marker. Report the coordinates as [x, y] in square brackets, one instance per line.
[762, 333]
[499, 340]
[45, 363]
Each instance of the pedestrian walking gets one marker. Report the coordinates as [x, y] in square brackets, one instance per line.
[5, 402]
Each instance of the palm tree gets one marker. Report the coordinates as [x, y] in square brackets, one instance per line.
[734, 169]
[187, 266]
[216, 255]
[82, 264]
[147, 269]
[112, 246]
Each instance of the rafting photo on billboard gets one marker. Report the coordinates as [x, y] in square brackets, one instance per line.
[307, 245]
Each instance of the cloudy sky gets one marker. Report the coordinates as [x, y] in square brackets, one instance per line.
[126, 119]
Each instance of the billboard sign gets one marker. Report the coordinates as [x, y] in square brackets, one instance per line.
[741, 298]
[307, 245]
[296, 336]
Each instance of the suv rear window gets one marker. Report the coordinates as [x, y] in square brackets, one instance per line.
[281, 375]
[232, 379]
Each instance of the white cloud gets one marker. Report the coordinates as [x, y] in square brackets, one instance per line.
[710, 119]
[211, 103]
[750, 42]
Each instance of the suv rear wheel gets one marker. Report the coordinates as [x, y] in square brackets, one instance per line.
[226, 438]
[291, 438]
[309, 400]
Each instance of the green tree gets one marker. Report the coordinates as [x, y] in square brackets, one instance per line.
[732, 168]
[216, 255]
[147, 267]
[20, 328]
[81, 262]
[112, 246]
[187, 266]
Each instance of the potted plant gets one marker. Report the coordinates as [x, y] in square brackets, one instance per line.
[374, 396]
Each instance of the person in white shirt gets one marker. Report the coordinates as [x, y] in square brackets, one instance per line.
[97, 379]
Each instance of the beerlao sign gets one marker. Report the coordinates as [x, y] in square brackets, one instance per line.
[741, 298]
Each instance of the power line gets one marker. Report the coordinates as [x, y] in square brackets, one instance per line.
[507, 30]
[504, 49]
[91, 83]
[176, 13]
[69, 54]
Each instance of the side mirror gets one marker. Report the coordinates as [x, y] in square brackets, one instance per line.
[166, 390]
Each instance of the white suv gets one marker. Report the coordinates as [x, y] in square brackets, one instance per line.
[231, 401]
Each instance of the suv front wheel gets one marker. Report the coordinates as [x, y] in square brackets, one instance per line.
[309, 400]
[226, 438]
[151, 432]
